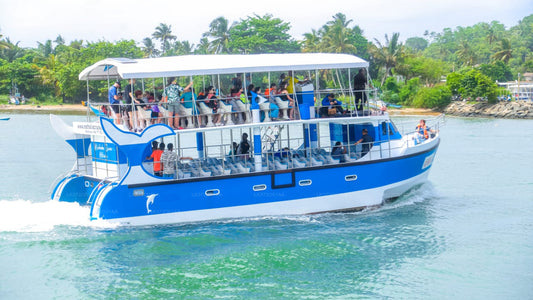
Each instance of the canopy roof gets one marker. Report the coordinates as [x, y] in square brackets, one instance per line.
[189, 65]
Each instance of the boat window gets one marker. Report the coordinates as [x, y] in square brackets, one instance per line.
[259, 187]
[350, 177]
[305, 182]
[214, 192]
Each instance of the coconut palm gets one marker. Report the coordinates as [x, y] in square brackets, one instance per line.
[163, 32]
[149, 48]
[311, 42]
[466, 54]
[337, 35]
[388, 55]
[219, 35]
[505, 53]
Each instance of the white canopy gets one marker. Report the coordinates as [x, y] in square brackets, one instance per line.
[189, 65]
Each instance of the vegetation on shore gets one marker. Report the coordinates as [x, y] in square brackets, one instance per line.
[470, 58]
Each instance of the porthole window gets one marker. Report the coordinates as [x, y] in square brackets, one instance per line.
[214, 192]
[305, 182]
[259, 187]
[350, 177]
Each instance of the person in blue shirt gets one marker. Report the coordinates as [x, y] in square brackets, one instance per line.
[329, 102]
[114, 100]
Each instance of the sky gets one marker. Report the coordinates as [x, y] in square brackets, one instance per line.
[32, 21]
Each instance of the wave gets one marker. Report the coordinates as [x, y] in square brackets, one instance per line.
[27, 216]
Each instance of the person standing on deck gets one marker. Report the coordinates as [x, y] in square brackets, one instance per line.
[359, 87]
[169, 159]
[366, 142]
[114, 100]
[171, 96]
[156, 156]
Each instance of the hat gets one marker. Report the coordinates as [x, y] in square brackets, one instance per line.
[117, 82]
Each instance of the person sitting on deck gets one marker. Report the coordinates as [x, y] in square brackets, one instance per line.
[338, 152]
[422, 130]
[331, 106]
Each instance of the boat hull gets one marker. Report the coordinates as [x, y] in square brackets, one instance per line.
[310, 190]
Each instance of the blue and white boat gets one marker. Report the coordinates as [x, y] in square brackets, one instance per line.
[289, 169]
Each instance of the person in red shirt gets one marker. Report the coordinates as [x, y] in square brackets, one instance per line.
[156, 156]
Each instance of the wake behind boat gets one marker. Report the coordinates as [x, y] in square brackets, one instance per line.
[320, 147]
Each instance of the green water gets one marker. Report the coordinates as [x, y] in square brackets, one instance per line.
[466, 234]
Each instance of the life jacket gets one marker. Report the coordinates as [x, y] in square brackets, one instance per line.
[419, 128]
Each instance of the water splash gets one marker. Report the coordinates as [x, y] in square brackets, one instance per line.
[27, 216]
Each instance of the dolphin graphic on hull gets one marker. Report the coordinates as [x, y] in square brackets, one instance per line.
[133, 145]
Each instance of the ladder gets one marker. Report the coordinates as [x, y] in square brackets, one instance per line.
[269, 137]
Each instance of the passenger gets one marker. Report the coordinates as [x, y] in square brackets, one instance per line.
[169, 159]
[270, 91]
[234, 148]
[156, 156]
[237, 81]
[212, 102]
[422, 131]
[359, 86]
[338, 152]
[114, 100]
[283, 153]
[171, 96]
[128, 102]
[244, 147]
[330, 106]
[140, 110]
[188, 98]
[366, 141]
[273, 108]
[283, 93]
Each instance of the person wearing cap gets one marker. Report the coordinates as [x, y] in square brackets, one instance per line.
[114, 100]
[366, 142]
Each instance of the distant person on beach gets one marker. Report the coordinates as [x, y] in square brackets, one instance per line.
[114, 100]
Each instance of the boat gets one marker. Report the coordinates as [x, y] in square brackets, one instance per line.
[289, 169]
[4, 119]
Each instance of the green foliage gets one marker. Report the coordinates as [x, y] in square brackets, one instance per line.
[472, 84]
[409, 90]
[497, 71]
[416, 43]
[264, 34]
[433, 97]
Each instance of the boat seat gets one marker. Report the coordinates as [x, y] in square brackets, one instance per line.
[298, 163]
[206, 111]
[187, 113]
[226, 111]
[242, 108]
[316, 162]
[283, 108]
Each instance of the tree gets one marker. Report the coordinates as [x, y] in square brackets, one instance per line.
[262, 34]
[163, 32]
[149, 48]
[336, 37]
[505, 52]
[387, 56]
[416, 43]
[219, 33]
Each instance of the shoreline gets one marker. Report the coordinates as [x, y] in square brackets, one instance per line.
[80, 109]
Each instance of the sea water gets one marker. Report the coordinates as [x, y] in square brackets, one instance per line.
[465, 234]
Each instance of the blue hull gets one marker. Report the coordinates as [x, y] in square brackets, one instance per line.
[356, 182]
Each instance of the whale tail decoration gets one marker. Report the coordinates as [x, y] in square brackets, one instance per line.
[133, 145]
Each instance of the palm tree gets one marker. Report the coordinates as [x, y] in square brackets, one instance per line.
[505, 53]
[203, 46]
[219, 33]
[388, 55]
[311, 42]
[149, 48]
[336, 35]
[466, 53]
[163, 32]
[10, 51]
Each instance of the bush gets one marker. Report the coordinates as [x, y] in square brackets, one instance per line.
[433, 97]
